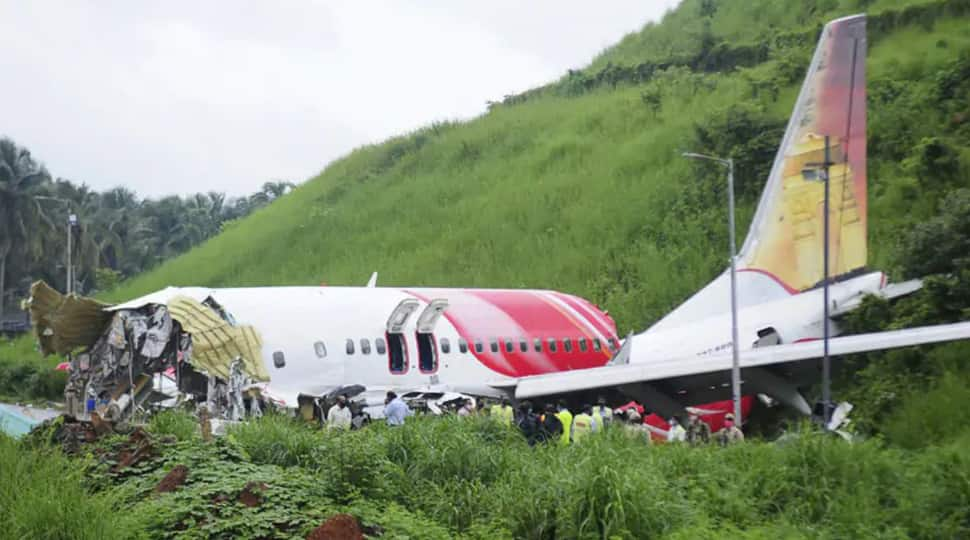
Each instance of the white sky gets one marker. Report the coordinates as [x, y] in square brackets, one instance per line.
[179, 97]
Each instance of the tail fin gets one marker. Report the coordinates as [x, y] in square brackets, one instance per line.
[786, 238]
[783, 252]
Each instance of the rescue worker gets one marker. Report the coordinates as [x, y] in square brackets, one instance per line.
[698, 432]
[602, 414]
[730, 433]
[466, 408]
[527, 423]
[395, 410]
[583, 424]
[502, 412]
[676, 432]
[339, 416]
[635, 428]
[550, 427]
[566, 419]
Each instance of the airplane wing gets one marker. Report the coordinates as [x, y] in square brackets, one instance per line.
[703, 378]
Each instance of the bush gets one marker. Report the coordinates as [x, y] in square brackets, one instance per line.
[276, 439]
[179, 424]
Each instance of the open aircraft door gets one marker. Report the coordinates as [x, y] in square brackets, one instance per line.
[397, 346]
[427, 348]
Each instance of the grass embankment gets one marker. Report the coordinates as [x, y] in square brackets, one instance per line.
[469, 478]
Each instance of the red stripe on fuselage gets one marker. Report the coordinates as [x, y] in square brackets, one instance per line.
[487, 314]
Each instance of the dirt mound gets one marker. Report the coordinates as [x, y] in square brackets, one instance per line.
[175, 478]
[338, 527]
[252, 494]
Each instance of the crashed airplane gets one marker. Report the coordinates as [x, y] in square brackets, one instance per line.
[298, 347]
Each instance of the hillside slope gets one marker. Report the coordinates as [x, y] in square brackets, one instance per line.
[584, 190]
[579, 191]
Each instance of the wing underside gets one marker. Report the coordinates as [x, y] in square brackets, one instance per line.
[770, 370]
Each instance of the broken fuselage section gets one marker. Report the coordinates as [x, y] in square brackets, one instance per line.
[125, 359]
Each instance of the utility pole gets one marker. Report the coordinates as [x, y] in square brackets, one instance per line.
[816, 172]
[71, 223]
[735, 356]
[826, 366]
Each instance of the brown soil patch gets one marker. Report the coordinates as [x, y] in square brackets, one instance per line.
[252, 494]
[338, 527]
[175, 478]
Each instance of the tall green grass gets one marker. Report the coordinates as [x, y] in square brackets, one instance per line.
[42, 496]
[475, 478]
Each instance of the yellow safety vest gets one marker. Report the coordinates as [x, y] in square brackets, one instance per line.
[566, 418]
[502, 414]
[582, 426]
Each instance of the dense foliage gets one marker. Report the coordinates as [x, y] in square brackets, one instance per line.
[118, 234]
[472, 478]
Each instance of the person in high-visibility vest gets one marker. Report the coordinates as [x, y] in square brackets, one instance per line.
[583, 424]
[566, 418]
[503, 412]
[602, 414]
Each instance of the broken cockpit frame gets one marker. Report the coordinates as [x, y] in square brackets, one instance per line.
[122, 360]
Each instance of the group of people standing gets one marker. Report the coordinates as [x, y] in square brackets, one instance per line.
[556, 424]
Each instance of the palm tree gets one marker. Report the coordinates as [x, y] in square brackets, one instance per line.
[24, 223]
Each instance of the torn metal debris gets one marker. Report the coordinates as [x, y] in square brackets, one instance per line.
[123, 359]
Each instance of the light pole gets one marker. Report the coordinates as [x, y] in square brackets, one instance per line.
[820, 171]
[71, 223]
[736, 362]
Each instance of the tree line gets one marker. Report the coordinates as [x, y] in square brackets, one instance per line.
[117, 234]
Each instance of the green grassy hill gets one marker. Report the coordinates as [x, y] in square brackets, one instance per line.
[579, 186]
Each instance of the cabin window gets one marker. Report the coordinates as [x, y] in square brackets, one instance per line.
[537, 343]
[509, 346]
[350, 346]
[364, 346]
[523, 345]
[567, 345]
[613, 345]
[583, 346]
[478, 346]
[445, 345]
[320, 349]
[427, 356]
[552, 345]
[596, 345]
[493, 345]
[397, 356]
[380, 346]
[462, 345]
[278, 360]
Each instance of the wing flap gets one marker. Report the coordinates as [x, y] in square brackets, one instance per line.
[615, 375]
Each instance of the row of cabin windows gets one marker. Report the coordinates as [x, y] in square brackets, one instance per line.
[552, 345]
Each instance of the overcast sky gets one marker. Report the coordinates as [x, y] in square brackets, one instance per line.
[179, 97]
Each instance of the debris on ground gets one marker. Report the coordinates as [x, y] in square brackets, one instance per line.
[138, 447]
[175, 478]
[338, 527]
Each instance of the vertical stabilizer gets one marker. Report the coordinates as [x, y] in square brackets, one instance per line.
[786, 238]
[783, 252]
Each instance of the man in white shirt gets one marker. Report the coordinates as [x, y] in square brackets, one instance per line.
[395, 410]
[339, 416]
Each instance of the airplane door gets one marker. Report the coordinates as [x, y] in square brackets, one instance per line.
[397, 347]
[427, 348]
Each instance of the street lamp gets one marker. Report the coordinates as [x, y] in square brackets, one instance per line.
[736, 363]
[820, 172]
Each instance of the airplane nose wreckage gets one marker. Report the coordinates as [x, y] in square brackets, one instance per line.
[125, 357]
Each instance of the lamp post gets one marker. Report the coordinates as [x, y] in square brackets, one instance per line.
[736, 363]
[71, 223]
[820, 172]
